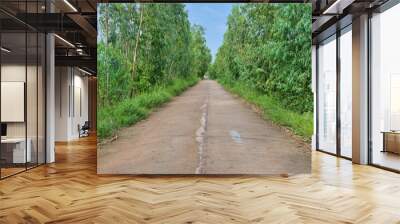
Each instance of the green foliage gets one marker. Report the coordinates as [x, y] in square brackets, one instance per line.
[300, 124]
[129, 111]
[268, 47]
[200, 53]
[147, 53]
[142, 45]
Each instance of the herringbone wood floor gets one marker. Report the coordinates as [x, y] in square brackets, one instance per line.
[69, 191]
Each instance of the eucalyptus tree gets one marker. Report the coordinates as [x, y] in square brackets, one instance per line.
[268, 47]
[142, 46]
[201, 54]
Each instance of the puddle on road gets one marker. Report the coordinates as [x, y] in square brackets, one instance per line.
[235, 136]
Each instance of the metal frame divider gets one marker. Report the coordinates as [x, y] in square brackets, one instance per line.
[26, 86]
[369, 78]
[338, 73]
[317, 97]
[37, 91]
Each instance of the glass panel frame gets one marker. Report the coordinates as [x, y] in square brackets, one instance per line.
[337, 141]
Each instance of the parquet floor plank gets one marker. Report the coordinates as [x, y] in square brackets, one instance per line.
[70, 191]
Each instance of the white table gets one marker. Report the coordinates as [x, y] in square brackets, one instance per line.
[19, 153]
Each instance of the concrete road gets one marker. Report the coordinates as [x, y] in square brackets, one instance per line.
[206, 130]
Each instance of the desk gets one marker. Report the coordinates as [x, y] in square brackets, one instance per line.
[13, 150]
[391, 141]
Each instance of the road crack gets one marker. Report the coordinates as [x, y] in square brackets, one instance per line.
[201, 134]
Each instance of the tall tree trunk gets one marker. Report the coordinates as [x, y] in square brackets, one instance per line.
[135, 52]
[106, 51]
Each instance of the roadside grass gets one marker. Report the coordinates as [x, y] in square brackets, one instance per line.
[128, 112]
[300, 124]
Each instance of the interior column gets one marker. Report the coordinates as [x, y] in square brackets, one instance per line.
[360, 90]
[50, 93]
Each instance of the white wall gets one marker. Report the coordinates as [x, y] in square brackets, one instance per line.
[62, 82]
[70, 83]
[79, 117]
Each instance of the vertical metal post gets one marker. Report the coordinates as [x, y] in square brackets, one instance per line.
[26, 86]
[338, 73]
[317, 97]
[369, 37]
[37, 90]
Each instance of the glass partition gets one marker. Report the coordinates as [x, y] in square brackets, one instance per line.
[22, 77]
[385, 89]
[327, 95]
[346, 92]
[14, 153]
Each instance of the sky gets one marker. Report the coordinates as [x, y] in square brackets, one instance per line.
[212, 17]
